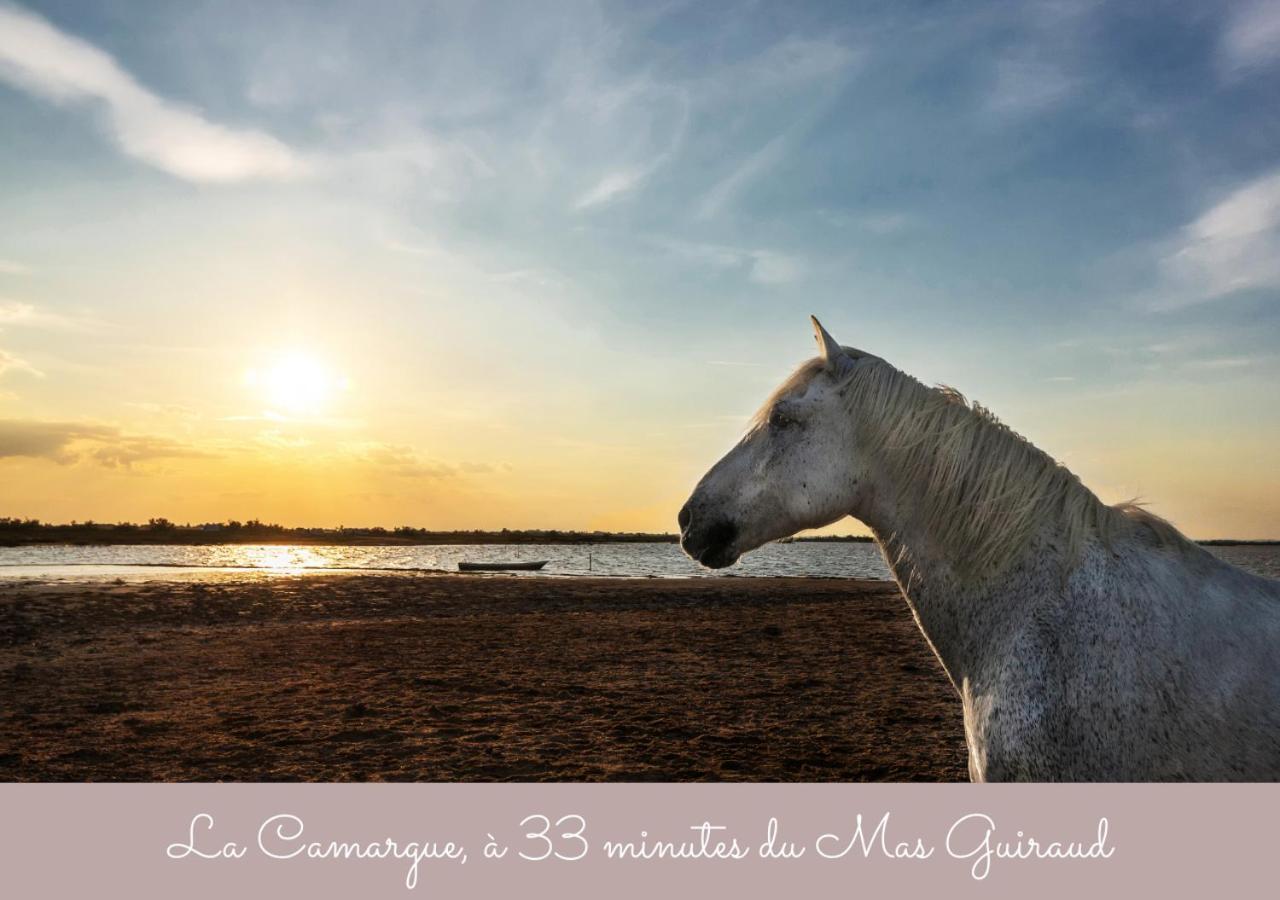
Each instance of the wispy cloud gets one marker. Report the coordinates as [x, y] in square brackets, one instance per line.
[1026, 84]
[404, 461]
[10, 363]
[748, 170]
[14, 312]
[611, 186]
[1251, 39]
[37, 57]
[1219, 363]
[67, 443]
[886, 223]
[768, 267]
[1047, 62]
[1233, 246]
[46, 440]
[9, 267]
[764, 267]
[796, 72]
[784, 68]
[1193, 351]
[123, 451]
[659, 112]
[795, 62]
[460, 265]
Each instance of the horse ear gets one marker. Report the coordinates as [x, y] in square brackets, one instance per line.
[832, 352]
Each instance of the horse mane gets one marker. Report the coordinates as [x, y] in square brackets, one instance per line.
[981, 490]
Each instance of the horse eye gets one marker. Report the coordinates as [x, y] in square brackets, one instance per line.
[779, 419]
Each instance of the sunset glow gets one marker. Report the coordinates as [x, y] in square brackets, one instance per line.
[296, 384]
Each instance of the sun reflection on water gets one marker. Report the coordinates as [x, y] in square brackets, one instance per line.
[281, 558]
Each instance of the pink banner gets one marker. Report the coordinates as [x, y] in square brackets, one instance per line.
[578, 840]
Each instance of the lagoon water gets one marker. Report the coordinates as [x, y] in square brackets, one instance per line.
[182, 562]
[142, 562]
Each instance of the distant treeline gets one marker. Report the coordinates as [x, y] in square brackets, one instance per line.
[15, 532]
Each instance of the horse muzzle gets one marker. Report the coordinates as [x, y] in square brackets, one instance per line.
[711, 545]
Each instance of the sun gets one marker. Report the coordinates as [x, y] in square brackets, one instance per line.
[296, 384]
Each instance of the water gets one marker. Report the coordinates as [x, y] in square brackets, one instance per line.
[1261, 559]
[139, 562]
[168, 562]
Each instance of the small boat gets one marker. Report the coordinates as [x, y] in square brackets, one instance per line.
[501, 566]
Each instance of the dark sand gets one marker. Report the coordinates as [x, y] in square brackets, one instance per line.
[454, 678]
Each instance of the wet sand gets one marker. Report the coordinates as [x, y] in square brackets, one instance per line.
[455, 678]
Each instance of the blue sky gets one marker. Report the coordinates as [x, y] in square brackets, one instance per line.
[623, 213]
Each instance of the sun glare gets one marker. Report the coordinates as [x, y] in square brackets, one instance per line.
[296, 384]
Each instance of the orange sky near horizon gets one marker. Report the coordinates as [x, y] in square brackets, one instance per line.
[288, 440]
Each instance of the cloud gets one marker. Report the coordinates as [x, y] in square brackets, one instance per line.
[13, 312]
[752, 167]
[1025, 84]
[46, 440]
[796, 73]
[394, 155]
[642, 126]
[764, 267]
[1223, 362]
[793, 63]
[61, 68]
[167, 410]
[768, 267]
[886, 223]
[461, 265]
[1048, 58]
[408, 463]
[123, 451]
[1251, 39]
[9, 267]
[66, 443]
[10, 363]
[611, 186]
[1233, 246]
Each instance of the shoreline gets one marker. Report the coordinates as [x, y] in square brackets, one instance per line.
[433, 677]
[316, 571]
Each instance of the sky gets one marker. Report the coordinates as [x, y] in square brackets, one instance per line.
[470, 265]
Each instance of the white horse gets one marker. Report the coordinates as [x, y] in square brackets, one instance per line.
[1087, 642]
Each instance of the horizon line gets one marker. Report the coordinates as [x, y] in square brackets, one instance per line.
[161, 524]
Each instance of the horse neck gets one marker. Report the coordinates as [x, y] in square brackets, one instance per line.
[962, 618]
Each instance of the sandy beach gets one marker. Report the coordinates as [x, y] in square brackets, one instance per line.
[454, 678]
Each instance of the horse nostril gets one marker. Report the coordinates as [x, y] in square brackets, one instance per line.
[722, 534]
[685, 517]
